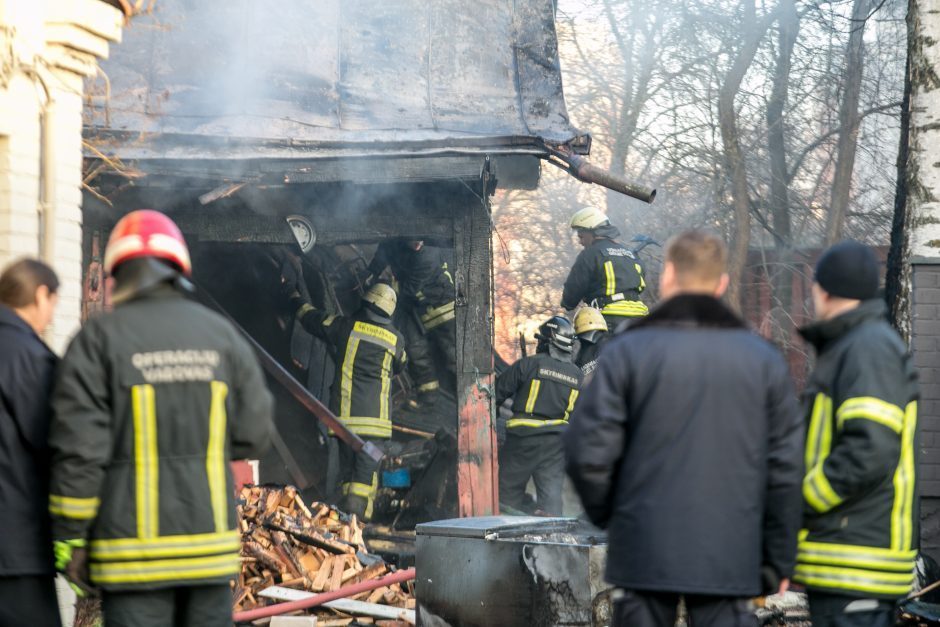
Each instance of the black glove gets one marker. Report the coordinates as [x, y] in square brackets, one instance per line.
[291, 277]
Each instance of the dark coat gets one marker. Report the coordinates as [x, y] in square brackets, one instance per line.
[860, 489]
[687, 447]
[27, 368]
[544, 390]
[604, 269]
[152, 402]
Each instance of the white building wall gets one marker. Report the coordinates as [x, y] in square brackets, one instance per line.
[47, 48]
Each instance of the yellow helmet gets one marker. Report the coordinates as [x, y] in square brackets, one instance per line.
[589, 319]
[382, 296]
[588, 219]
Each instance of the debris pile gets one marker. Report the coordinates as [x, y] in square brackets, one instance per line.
[308, 549]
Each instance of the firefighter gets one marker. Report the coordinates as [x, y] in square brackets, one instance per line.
[152, 402]
[591, 331]
[544, 388]
[856, 554]
[367, 350]
[426, 313]
[27, 302]
[606, 274]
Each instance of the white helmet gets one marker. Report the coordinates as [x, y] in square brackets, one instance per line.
[382, 296]
[589, 219]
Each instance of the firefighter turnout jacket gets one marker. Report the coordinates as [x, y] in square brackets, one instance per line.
[861, 523]
[544, 391]
[424, 279]
[367, 351]
[607, 275]
[152, 402]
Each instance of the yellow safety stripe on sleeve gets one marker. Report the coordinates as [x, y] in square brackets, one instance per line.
[857, 579]
[73, 507]
[146, 461]
[368, 426]
[447, 273]
[611, 280]
[902, 511]
[346, 374]
[430, 386]
[639, 271]
[873, 409]
[153, 571]
[818, 492]
[874, 558]
[819, 434]
[215, 456]
[329, 320]
[626, 308]
[364, 490]
[572, 398]
[435, 317]
[375, 335]
[167, 546]
[533, 395]
[304, 310]
[386, 386]
[534, 422]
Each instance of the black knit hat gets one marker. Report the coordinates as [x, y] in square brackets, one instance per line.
[849, 269]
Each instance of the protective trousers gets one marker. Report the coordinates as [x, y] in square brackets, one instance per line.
[443, 338]
[361, 482]
[659, 609]
[536, 456]
[417, 344]
[836, 610]
[187, 606]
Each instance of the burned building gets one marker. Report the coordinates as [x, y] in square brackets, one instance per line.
[316, 130]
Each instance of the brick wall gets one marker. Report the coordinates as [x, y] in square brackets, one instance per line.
[925, 344]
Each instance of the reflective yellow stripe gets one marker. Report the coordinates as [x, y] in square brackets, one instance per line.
[328, 320]
[368, 426]
[386, 385]
[534, 422]
[73, 507]
[857, 557]
[304, 310]
[533, 395]
[215, 456]
[818, 492]
[902, 511]
[167, 546]
[435, 317]
[572, 398]
[626, 308]
[639, 271]
[611, 279]
[858, 579]
[841, 549]
[364, 490]
[346, 383]
[146, 461]
[873, 409]
[151, 571]
[820, 430]
[429, 386]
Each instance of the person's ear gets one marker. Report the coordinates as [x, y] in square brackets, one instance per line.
[723, 283]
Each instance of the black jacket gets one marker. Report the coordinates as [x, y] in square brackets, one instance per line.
[27, 367]
[686, 446]
[610, 274]
[588, 352]
[152, 402]
[860, 486]
[368, 351]
[544, 390]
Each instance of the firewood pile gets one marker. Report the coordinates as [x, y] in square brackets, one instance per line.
[314, 549]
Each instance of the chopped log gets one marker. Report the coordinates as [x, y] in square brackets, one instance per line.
[336, 578]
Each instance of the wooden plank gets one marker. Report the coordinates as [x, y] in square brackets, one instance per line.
[347, 606]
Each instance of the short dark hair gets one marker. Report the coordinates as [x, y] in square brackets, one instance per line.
[20, 280]
[699, 256]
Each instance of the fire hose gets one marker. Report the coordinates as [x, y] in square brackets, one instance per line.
[341, 593]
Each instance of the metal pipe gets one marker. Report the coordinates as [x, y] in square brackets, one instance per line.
[563, 157]
[342, 593]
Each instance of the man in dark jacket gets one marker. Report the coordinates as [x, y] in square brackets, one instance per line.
[153, 401]
[686, 447]
[606, 274]
[856, 553]
[425, 313]
[544, 388]
[368, 351]
[27, 301]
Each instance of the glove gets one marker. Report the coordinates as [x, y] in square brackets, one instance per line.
[290, 283]
[71, 559]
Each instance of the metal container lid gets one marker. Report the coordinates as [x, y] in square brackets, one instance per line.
[483, 526]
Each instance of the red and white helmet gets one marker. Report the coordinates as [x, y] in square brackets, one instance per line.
[146, 233]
